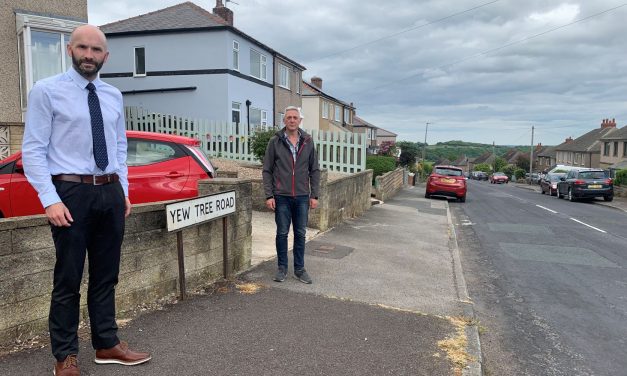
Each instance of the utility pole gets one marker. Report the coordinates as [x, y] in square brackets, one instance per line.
[493, 158]
[424, 153]
[531, 157]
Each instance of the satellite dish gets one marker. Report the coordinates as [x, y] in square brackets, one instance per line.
[226, 2]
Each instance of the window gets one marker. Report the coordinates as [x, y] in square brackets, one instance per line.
[615, 151]
[281, 116]
[299, 84]
[258, 65]
[338, 111]
[140, 62]
[258, 117]
[577, 155]
[284, 76]
[143, 152]
[235, 112]
[625, 149]
[325, 109]
[236, 55]
[347, 116]
[41, 45]
[606, 148]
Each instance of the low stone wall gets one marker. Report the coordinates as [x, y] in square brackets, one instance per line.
[148, 268]
[620, 191]
[386, 185]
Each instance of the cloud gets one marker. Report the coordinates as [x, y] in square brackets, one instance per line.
[484, 75]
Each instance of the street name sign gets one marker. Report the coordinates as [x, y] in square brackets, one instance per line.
[198, 210]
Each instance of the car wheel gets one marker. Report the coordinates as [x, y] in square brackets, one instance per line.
[462, 199]
[427, 195]
[557, 193]
[608, 198]
[541, 190]
[570, 195]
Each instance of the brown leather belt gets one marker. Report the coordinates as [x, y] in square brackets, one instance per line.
[88, 179]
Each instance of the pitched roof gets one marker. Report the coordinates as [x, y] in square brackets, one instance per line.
[486, 157]
[359, 122]
[548, 151]
[385, 133]
[620, 134]
[588, 142]
[461, 161]
[310, 90]
[186, 15]
[183, 17]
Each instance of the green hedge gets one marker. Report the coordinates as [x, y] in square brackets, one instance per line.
[621, 177]
[380, 165]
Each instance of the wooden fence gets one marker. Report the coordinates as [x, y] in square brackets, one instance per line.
[337, 151]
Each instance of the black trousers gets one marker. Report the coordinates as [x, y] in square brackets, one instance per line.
[97, 231]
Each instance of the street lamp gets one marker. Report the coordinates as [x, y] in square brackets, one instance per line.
[424, 153]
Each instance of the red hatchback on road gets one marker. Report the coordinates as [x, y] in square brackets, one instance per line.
[160, 167]
[448, 181]
[499, 178]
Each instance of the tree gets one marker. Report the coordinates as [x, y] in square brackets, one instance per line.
[260, 143]
[499, 164]
[485, 167]
[509, 171]
[387, 148]
[523, 162]
[409, 152]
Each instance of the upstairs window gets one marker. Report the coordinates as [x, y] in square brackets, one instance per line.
[140, 62]
[41, 47]
[236, 55]
[615, 151]
[284, 76]
[337, 112]
[606, 148]
[258, 65]
[325, 109]
[347, 116]
[625, 149]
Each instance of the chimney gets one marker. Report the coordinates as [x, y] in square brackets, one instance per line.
[223, 12]
[607, 123]
[568, 140]
[317, 82]
[539, 146]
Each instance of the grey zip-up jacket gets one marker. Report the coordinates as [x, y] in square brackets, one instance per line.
[282, 176]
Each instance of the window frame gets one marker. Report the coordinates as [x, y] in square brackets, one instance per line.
[25, 24]
[284, 70]
[135, 74]
[263, 65]
[337, 113]
[615, 151]
[325, 109]
[235, 62]
[624, 148]
[606, 149]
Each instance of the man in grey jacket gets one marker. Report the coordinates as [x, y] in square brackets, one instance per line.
[291, 182]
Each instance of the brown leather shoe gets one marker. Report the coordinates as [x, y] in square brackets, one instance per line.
[121, 354]
[68, 367]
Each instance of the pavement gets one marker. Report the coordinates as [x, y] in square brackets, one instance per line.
[388, 298]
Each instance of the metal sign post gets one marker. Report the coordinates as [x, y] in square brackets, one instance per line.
[187, 213]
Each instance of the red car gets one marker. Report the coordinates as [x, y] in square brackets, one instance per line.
[160, 167]
[448, 181]
[498, 178]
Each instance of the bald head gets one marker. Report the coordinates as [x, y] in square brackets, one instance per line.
[88, 49]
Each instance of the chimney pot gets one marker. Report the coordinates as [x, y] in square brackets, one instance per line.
[223, 12]
[317, 82]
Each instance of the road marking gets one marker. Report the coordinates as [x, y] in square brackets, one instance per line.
[592, 227]
[542, 207]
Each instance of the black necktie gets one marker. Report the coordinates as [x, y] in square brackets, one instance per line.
[97, 128]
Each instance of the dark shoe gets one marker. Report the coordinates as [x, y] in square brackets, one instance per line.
[302, 276]
[280, 275]
[121, 354]
[68, 367]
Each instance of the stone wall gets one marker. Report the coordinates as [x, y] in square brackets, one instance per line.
[386, 185]
[148, 268]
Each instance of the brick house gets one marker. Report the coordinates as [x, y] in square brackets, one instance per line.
[614, 150]
[324, 112]
[585, 150]
[33, 35]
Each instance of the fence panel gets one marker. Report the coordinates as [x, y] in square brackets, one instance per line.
[337, 151]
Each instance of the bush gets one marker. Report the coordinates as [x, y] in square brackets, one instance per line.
[621, 177]
[259, 143]
[509, 171]
[519, 173]
[380, 164]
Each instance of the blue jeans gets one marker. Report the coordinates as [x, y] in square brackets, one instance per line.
[291, 210]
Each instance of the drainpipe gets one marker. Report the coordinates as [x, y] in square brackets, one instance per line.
[248, 103]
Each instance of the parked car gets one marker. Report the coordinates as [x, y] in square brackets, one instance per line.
[498, 178]
[448, 181]
[478, 175]
[548, 184]
[160, 167]
[534, 178]
[586, 183]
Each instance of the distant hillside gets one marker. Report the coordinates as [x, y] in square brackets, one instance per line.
[452, 150]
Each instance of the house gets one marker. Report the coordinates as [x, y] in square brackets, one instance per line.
[486, 157]
[614, 150]
[544, 157]
[33, 35]
[462, 162]
[324, 112]
[187, 61]
[512, 156]
[369, 130]
[585, 150]
[385, 135]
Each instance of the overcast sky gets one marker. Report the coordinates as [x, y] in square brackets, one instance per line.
[476, 70]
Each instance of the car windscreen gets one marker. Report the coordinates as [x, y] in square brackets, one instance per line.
[591, 174]
[448, 171]
[555, 177]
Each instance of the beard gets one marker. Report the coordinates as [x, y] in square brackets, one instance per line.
[77, 63]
